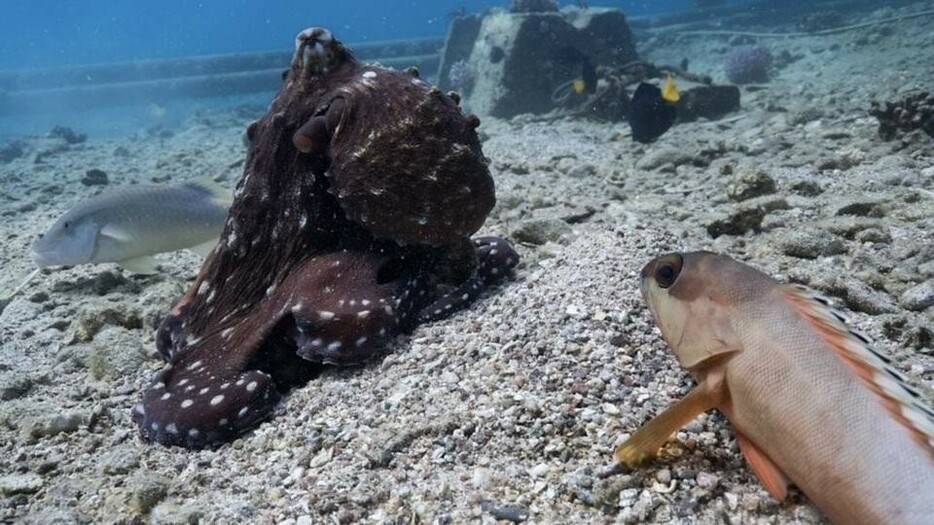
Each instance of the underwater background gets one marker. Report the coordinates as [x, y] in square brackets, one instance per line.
[48, 34]
[44, 33]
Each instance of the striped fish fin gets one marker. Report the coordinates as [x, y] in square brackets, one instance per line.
[871, 365]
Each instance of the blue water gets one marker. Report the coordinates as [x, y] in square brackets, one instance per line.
[43, 33]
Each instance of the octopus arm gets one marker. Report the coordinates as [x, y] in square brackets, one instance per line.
[496, 258]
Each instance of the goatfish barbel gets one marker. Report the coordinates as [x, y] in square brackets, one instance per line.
[128, 225]
[812, 403]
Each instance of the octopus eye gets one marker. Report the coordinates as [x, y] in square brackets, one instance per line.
[668, 269]
[251, 131]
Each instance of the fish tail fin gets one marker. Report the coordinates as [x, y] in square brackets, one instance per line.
[218, 194]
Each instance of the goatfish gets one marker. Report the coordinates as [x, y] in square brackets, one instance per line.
[811, 401]
[653, 110]
[129, 225]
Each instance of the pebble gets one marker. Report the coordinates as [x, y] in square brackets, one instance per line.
[751, 184]
[657, 157]
[146, 490]
[540, 231]
[810, 243]
[860, 297]
[27, 483]
[51, 425]
[861, 208]
[737, 222]
[14, 386]
[513, 513]
[119, 461]
[115, 353]
[539, 470]
[171, 512]
[94, 177]
[918, 297]
[706, 481]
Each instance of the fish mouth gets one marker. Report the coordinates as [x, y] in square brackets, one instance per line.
[43, 259]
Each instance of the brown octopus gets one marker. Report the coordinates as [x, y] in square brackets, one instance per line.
[350, 225]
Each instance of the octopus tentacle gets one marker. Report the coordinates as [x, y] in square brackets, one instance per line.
[348, 304]
[496, 258]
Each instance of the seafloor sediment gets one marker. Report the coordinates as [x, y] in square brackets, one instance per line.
[512, 406]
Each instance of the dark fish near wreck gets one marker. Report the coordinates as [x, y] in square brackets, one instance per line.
[653, 110]
[350, 225]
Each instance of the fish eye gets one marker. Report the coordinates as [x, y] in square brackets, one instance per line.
[65, 225]
[668, 269]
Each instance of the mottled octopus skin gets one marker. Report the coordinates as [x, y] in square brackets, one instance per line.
[350, 225]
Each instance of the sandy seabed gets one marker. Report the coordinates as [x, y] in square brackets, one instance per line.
[509, 408]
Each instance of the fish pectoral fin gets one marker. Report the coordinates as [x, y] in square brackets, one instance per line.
[145, 265]
[204, 249]
[774, 480]
[115, 232]
[646, 441]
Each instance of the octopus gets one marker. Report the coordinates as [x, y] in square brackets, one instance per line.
[350, 225]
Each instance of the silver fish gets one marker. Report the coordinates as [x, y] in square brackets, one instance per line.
[129, 225]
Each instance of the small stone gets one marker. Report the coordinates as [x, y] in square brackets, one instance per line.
[810, 244]
[918, 297]
[862, 208]
[806, 188]
[481, 478]
[628, 498]
[119, 461]
[657, 157]
[737, 223]
[54, 424]
[663, 476]
[513, 513]
[115, 353]
[171, 512]
[540, 231]
[146, 491]
[14, 386]
[860, 297]
[27, 483]
[751, 502]
[874, 235]
[751, 184]
[321, 458]
[539, 470]
[582, 171]
[747, 216]
[94, 177]
[706, 480]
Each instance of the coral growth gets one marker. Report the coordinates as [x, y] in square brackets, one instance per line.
[913, 112]
[461, 76]
[534, 6]
[748, 64]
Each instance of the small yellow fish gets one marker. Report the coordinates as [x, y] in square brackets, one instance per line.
[579, 86]
[811, 402]
[670, 90]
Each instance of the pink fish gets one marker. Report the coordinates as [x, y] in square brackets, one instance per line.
[811, 402]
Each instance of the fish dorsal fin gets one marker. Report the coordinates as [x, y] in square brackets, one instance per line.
[869, 364]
